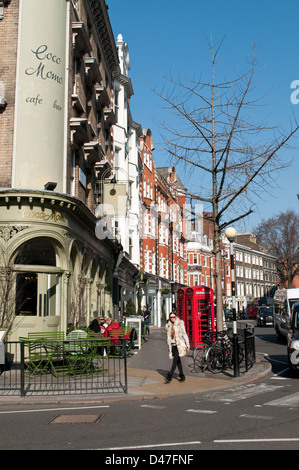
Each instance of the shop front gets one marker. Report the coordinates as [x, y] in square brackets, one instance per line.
[61, 273]
[156, 293]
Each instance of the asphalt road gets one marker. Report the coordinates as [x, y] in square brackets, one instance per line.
[257, 416]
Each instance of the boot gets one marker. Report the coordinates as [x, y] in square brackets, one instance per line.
[168, 378]
[182, 378]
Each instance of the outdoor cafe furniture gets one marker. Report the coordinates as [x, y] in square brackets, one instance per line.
[77, 354]
[37, 358]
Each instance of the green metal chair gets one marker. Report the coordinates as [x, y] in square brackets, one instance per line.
[36, 359]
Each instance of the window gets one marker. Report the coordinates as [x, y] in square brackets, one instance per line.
[37, 293]
[228, 289]
[116, 103]
[39, 252]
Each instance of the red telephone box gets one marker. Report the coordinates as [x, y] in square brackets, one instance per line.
[196, 308]
[181, 303]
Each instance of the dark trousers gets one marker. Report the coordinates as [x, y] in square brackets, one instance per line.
[176, 361]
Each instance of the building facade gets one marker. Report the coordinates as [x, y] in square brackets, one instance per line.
[56, 139]
[163, 256]
[256, 275]
[121, 194]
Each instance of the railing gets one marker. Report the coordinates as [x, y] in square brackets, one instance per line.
[216, 352]
[82, 366]
[249, 346]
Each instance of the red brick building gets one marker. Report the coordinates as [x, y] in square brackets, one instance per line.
[163, 260]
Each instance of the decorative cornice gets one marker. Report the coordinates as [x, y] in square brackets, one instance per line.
[70, 205]
[101, 20]
[126, 82]
[49, 199]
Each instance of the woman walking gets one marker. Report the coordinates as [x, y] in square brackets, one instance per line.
[178, 343]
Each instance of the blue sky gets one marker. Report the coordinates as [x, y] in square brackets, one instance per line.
[170, 36]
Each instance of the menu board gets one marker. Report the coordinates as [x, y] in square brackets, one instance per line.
[136, 323]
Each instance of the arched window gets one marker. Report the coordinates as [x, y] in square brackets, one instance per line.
[38, 252]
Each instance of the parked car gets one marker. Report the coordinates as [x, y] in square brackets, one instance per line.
[264, 316]
[292, 330]
[251, 312]
[228, 314]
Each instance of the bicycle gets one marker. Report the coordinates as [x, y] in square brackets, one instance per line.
[221, 354]
[215, 353]
[200, 352]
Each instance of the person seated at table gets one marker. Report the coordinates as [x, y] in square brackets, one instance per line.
[131, 336]
[95, 327]
[101, 324]
[114, 325]
[107, 322]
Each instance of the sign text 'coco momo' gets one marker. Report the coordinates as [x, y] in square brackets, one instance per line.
[41, 88]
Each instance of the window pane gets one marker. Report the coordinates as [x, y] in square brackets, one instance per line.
[40, 252]
[26, 294]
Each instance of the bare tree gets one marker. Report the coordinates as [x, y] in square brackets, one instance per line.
[279, 235]
[228, 154]
[78, 305]
[10, 289]
[7, 292]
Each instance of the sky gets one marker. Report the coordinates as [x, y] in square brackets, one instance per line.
[171, 37]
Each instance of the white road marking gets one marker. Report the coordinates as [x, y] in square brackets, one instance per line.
[279, 439]
[242, 392]
[290, 401]
[154, 407]
[55, 409]
[255, 416]
[208, 412]
[153, 446]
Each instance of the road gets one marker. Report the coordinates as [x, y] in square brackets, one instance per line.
[257, 416]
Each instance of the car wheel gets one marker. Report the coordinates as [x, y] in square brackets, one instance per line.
[294, 372]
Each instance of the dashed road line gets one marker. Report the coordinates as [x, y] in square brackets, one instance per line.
[208, 412]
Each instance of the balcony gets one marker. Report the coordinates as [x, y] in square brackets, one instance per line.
[93, 153]
[109, 117]
[102, 98]
[77, 103]
[81, 44]
[92, 71]
[80, 132]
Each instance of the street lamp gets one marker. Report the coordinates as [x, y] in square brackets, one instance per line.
[231, 234]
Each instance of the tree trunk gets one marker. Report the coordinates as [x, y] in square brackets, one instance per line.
[218, 279]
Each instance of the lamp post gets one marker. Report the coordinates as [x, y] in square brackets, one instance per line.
[230, 234]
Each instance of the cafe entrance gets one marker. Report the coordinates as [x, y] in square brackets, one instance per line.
[37, 288]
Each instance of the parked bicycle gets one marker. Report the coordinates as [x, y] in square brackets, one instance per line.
[215, 353]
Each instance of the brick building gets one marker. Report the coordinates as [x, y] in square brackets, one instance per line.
[163, 261]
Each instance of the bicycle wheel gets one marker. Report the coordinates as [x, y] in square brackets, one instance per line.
[200, 357]
[214, 360]
[228, 355]
[241, 352]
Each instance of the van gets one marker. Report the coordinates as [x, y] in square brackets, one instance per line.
[284, 299]
[293, 340]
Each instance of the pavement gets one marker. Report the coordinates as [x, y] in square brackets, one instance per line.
[146, 371]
